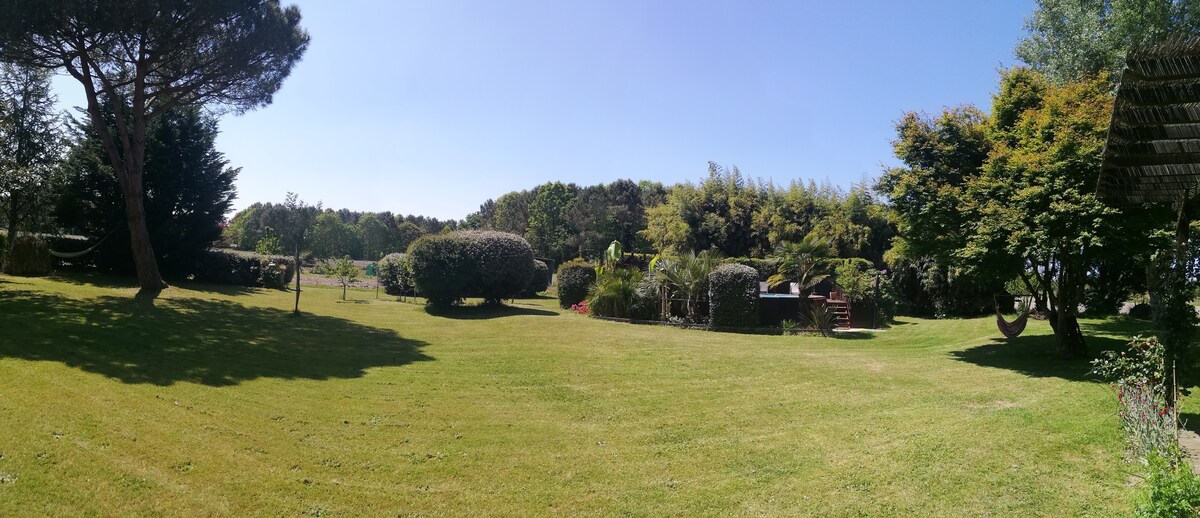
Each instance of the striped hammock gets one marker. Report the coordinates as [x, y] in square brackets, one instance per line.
[1016, 327]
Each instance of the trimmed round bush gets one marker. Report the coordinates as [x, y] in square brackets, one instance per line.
[28, 256]
[575, 278]
[503, 264]
[395, 275]
[733, 296]
[442, 267]
[540, 281]
[447, 268]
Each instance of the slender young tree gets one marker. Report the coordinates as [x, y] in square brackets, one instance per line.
[296, 226]
[151, 57]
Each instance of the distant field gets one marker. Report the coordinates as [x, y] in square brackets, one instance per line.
[216, 401]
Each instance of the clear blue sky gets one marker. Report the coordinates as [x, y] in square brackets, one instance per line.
[431, 107]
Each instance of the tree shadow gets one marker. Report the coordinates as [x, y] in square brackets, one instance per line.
[118, 282]
[215, 343]
[1037, 356]
[852, 335]
[1119, 326]
[486, 312]
[1190, 421]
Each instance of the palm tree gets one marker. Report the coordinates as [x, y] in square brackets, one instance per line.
[686, 277]
[806, 263]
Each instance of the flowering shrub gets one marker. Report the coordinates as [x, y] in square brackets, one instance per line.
[1146, 418]
[1138, 374]
[581, 307]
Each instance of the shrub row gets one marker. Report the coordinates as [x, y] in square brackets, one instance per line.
[733, 296]
[575, 278]
[450, 267]
[243, 269]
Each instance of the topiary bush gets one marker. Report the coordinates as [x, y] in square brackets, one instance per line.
[395, 275]
[733, 296]
[575, 278]
[540, 281]
[28, 256]
[452, 266]
[503, 264]
[442, 267]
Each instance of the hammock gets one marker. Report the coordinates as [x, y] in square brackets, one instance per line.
[81, 253]
[1016, 327]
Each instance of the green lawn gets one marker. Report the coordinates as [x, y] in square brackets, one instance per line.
[216, 401]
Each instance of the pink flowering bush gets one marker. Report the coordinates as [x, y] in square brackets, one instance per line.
[580, 307]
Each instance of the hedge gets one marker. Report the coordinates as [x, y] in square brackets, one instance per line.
[540, 281]
[574, 279]
[244, 269]
[764, 268]
[733, 296]
[450, 267]
[395, 275]
[28, 256]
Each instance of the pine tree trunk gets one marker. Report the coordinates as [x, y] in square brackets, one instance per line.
[149, 278]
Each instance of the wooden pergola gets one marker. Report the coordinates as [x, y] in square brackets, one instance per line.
[1153, 149]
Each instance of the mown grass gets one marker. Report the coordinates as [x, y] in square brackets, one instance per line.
[217, 401]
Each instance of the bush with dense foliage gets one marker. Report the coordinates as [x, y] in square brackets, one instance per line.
[442, 266]
[28, 256]
[395, 275]
[575, 278]
[450, 267]
[503, 264]
[733, 296]
[243, 269]
[540, 281]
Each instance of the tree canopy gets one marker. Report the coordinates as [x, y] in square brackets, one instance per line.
[1070, 40]
[148, 58]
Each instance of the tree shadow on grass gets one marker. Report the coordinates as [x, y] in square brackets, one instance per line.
[1036, 355]
[1119, 327]
[486, 312]
[215, 343]
[117, 282]
[852, 335]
